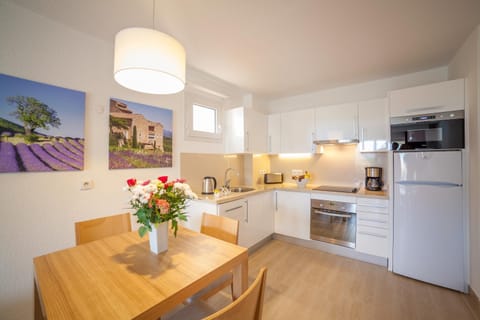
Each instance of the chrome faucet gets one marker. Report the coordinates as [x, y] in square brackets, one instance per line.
[226, 183]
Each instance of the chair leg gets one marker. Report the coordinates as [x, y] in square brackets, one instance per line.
[218, 289]
[231, 292]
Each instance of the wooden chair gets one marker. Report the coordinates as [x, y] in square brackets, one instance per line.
[220, 227]
[225, 229]
[90, 230]
[249, 306]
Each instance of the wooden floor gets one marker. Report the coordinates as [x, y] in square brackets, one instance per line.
[309, 284]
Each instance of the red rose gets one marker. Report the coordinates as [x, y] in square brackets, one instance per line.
[164, 179]
[145, 183]
[181, 180]
[131, 182]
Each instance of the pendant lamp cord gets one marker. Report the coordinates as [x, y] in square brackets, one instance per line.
[153, 15]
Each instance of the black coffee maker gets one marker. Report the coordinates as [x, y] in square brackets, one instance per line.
[373, 178]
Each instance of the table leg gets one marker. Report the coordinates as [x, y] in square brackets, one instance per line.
[38, 314]
[240, 278]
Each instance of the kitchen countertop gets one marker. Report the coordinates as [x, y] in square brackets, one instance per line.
[363, 193]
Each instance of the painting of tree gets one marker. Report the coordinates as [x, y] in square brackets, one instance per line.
[41, 126]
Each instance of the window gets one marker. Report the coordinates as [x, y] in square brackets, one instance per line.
[203, 114]
[204, 119]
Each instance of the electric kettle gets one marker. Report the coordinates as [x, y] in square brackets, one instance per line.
[209, 184]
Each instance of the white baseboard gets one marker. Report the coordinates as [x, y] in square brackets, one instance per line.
[334, 249]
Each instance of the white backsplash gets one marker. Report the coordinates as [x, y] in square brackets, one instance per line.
[338, 165]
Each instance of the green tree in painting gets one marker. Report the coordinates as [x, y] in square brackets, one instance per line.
[34, 114]
[134, 138]
[120, 124]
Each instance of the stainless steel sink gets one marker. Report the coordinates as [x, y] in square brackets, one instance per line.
[241, 189]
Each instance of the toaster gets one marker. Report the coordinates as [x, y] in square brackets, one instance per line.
[271, 178]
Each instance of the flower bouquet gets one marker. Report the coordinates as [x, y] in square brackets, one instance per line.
[157, 201]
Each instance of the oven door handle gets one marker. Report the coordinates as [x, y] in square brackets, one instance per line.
[332, 214]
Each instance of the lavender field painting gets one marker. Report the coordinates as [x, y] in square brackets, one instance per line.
[41, 127]
[140, 136]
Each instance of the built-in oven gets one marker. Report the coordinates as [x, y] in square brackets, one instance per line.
[443, 130]
[333, 222]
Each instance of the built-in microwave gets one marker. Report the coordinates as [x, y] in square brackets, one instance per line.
[443, 130]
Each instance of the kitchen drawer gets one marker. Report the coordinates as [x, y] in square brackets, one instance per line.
[372, 219]
[236, 209]
[380, 210]
[379, 232]
[372, 244]
[332, 197]
[372, 202]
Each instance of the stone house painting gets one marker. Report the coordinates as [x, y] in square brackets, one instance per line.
[149, 133]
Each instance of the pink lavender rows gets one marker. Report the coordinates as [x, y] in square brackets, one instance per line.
[64, 155]
[132, 159]
[8, 162]
[29, 160]
[63, 158]
[76, 149]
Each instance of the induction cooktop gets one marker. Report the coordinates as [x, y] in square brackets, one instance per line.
[337, 189]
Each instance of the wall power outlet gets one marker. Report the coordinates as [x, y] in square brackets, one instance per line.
[86, 185]
[297, 172]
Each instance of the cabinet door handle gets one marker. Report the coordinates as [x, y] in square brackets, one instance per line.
[371, 220]
[246, 218]
[233, 209]
[276, 201]
[373, 234]
[332, 214]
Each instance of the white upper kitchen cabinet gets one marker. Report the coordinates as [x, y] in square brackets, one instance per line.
[337, 122]
[373, 123]
[245, 131]
[431, 98]
[274, 133]
[292, 214]
[297, 130]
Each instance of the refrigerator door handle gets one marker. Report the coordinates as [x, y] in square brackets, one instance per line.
[429, 183]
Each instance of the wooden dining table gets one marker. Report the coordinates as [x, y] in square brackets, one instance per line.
[119, 278]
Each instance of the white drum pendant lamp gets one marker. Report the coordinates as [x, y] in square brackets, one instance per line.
[149, 61]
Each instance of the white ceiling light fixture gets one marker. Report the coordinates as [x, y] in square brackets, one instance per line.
[149, 61]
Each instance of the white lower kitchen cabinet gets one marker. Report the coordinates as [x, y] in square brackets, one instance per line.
[292, 214]
[260, 217]
[194, 211]
[237, 210]
[255, 214]
[372, 226]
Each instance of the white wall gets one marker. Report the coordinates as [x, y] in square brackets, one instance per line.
[466, 64]
[38, 210]
[357, 92]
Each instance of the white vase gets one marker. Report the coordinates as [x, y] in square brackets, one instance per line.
[159, 238]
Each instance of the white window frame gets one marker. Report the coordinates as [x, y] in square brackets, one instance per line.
[208, 100]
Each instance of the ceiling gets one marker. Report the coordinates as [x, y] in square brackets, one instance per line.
[277, 48]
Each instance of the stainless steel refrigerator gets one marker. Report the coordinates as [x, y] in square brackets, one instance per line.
[428, 218]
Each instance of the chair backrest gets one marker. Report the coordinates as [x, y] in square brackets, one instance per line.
[95, 229]
[220, 227]
[248, 306]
